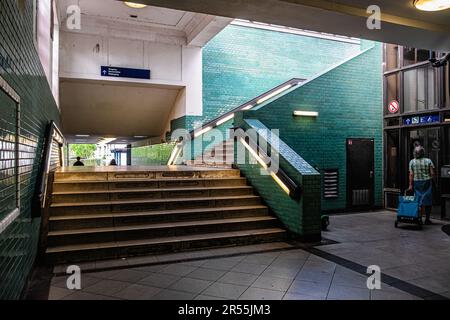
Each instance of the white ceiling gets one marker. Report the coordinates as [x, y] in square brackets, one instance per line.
[117, 11]
[113, 109]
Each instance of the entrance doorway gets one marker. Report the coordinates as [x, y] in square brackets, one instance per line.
[360, 173]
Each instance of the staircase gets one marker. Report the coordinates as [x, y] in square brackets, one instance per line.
[103, 215]
[220, 156]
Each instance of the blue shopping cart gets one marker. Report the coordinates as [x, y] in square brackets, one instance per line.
[408, 211]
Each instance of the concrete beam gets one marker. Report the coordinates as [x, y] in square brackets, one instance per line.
[325, 16]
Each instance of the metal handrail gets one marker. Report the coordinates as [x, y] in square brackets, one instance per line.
[295, 190]
[253, 103]
[53, 133]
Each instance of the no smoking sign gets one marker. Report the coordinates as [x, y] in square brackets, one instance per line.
[393, 106]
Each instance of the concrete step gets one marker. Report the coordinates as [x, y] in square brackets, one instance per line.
[160, 193]
[157, 230]
[89, 185]
[100, 174]
[88, 207]
[111, 219]
[120, 249]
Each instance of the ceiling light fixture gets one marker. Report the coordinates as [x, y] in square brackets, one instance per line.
[432, 5]
[135, 5]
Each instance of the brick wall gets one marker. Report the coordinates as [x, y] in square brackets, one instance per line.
[21, 68]
[348, 99]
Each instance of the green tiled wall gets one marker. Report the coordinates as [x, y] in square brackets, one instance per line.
[21, 68]
[348, 99]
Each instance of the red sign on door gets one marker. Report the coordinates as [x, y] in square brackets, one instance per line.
[393, 106]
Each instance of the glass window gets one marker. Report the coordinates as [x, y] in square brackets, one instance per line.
[413, 55]
[423, 55]
[410, 90]
[419, 89]
[409, 56]
[432, 94]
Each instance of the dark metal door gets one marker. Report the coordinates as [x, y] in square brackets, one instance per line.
[360, 173]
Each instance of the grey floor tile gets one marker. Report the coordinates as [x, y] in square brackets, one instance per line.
[106, 287]
[206, 274]
[104, 274]
[239, 278]
[190, 285]
[81, 295]
[350, 279]
[261, 294]
[159, 280]
[178, 269]
[203, 297]
[128, 275]
[261, 258]
[86, 281]
[434, 284]
[195, 263]
[272, 283]
[137, 292]
[315, 276]
[251, 268]
[57, 293]
[111, 263]
[281, 272]
[391, 295]
[348, 293]
[153, 268]
[220, 264]
[297, 296]
[173, 295]
[315, 289]
[225, 290]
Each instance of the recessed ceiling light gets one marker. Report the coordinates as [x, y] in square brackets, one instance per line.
[135, 5]
[432, 5]
[82, 135]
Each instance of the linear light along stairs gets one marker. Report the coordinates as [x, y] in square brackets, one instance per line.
[104, 215]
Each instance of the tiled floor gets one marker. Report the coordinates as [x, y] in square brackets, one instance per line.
[421, 258]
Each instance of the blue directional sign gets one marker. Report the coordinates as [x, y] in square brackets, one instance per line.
[425, 119]
[125, 73]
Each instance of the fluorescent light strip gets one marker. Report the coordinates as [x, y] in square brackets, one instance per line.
[203, 131]
[273, 94]
[264, 165]
[306, 113]
[280, 183]
[247, 107]
[254, 153]
[231, 116]
[174, 155]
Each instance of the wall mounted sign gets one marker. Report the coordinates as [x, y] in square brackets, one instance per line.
[394, 106]
[125, 73]
[426, 119]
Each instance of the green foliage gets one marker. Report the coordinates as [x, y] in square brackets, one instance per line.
[158, 154]
[84, 151]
